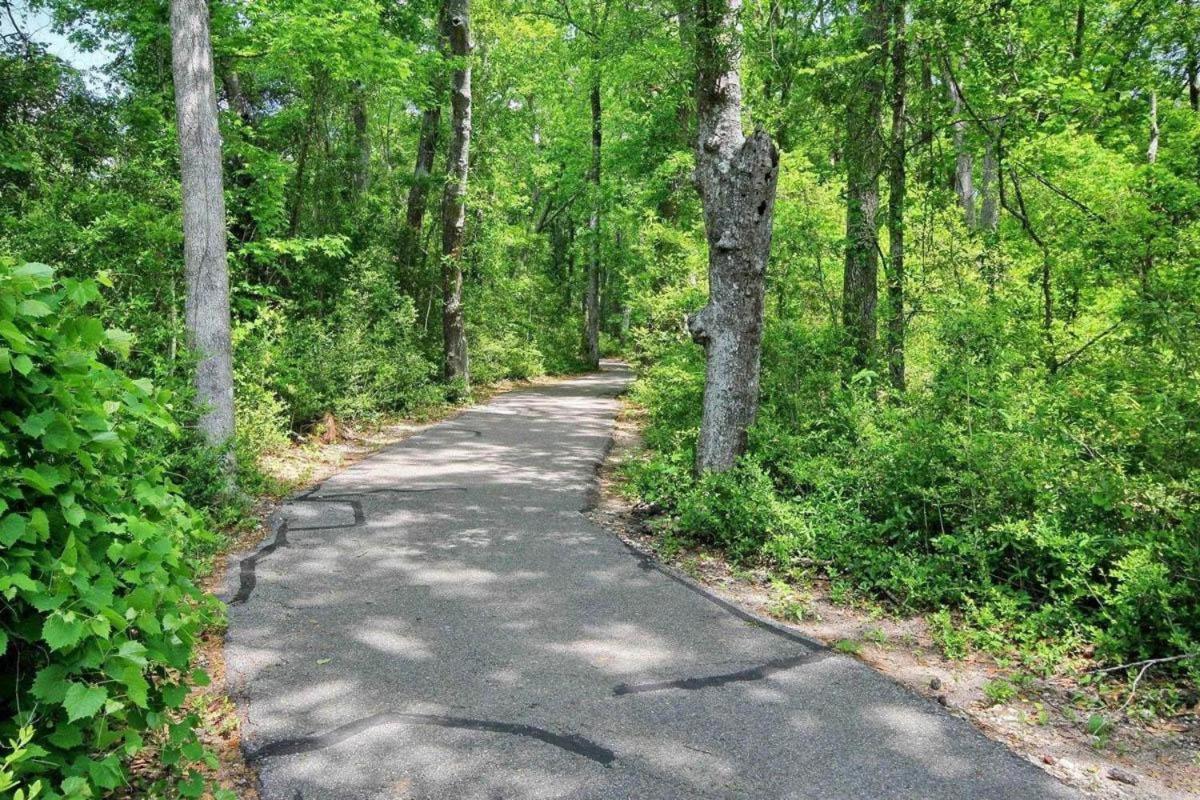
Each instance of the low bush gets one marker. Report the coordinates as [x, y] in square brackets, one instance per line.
[1043, 511]
[100, 611]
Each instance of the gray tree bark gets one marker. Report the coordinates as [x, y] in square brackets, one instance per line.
[418, 193]
[362, 140]
[591, 305]
[1152, 149]
[989, 214]
[456, 30]
[205, 262]
[964, 165]
[864, 151]
[736, 177]
[897, 188]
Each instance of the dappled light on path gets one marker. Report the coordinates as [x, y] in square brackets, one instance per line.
[442, 622]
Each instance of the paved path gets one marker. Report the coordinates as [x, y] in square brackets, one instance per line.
[440, 621]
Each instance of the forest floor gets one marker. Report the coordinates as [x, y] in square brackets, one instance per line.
[1042, 722]
[330, 448]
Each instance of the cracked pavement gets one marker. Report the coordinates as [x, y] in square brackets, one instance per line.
[441, 621]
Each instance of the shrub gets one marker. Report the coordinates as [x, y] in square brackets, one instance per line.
[100, 609]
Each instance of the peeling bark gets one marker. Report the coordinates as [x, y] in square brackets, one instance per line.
[736, 177]
[456, 16]
[205, 262]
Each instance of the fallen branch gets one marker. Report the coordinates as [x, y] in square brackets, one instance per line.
[1149, 662]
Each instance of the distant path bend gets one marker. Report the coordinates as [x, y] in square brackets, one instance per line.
[441, 621]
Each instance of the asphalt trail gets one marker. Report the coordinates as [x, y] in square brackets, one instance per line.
[441, 621]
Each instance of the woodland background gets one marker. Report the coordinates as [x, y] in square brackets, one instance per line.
[1003, 431]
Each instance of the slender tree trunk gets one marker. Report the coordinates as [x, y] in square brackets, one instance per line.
[456, 30]
[301, 167]
[989, 215]
[897, 188]
[964, 167]
[362, 140]
[1191, 66]
[736, 178]
[1152, 149]
[418, 193]
[591, 315]
[1080, 29]
[927, 95]
[864, 159]
[569, 283]
[205, 263]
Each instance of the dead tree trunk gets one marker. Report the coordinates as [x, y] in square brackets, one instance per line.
[591, 311]
[897, 187]
[205, 263]
[736, 177]
[457, 33]
[864, 157]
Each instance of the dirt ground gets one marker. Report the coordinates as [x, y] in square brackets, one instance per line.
[1043, 723]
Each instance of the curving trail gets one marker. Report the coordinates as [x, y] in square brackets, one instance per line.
[441, 621]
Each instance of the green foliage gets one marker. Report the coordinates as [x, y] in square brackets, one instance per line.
[100, 612]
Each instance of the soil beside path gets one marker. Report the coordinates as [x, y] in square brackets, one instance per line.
[441, 621]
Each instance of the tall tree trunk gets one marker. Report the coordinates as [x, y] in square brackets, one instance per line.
[896, 196]
[457, 32]
[205, 263]
[302, 166]
[569, 283]
[418, 193]
[362, 140]
[989, 215]
[736, 178]
[1152, 149]
[927, 108]
[1080, 29]
[591, 310]
[864, 158]
[964, 166]
[1191, 66]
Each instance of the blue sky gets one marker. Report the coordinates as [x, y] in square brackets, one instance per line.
[37, 25]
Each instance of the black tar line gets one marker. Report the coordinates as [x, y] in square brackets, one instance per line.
[750, 674]
[571, 743]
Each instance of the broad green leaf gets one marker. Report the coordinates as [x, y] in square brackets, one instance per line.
[83, 701]
[60, 632]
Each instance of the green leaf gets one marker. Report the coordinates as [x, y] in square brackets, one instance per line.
[50, 685]
[135, 685]
[12, 528]
[118, 341]
[3, 641]
[60, 632]
[77, 788]
[40, 523]
[33, 308]
[133, 651]
[66, 736]
[22, 364]
[83, 701]
[42, 273]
